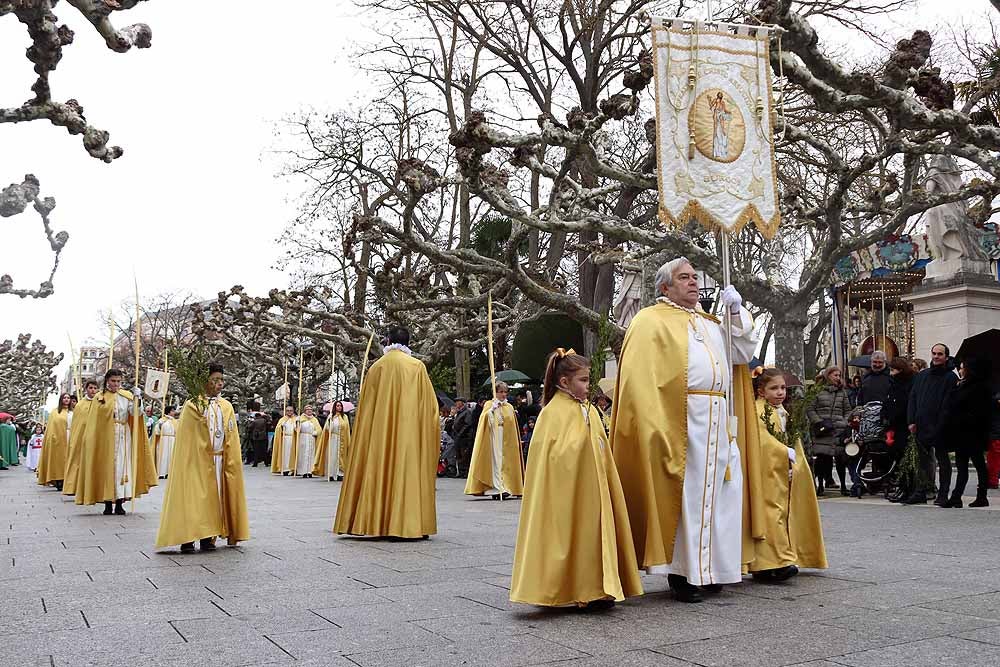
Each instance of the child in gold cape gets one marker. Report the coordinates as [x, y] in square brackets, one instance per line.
[495, 468]
[574, 544]
[793, 532]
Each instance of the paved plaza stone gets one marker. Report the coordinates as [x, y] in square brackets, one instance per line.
[908, 586]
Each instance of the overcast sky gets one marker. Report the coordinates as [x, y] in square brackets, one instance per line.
[194, 203]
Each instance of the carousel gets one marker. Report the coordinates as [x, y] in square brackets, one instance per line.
[869, 311]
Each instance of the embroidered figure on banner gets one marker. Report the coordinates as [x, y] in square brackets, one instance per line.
[719, 127]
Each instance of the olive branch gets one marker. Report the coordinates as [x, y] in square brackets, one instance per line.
[798, 422]
[191, 368]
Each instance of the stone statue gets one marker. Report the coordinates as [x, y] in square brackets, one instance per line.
[949, 228]
[629, 299]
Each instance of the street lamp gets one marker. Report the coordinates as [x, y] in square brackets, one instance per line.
[707, 291]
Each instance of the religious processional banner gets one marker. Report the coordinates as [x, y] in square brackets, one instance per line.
[714, 129]
[156, 383]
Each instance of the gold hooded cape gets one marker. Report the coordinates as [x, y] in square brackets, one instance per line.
[388, 488]
[74, 450]
[96, 480]
[319, 463]
[194, 507]
[278, 445]
[649, 433]
[481, 466]
[574, 544]
[793, 531]
[317, 433]
[52, 465]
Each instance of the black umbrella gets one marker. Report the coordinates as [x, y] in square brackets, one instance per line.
[984, 346]
[509, 376]
[443, 399]
[864, 361]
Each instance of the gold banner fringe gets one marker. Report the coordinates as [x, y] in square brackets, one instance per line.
[693, 210]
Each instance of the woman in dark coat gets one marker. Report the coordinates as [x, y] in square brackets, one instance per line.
[968, 410]
[894, 414]
[828, 420]
[894, 409]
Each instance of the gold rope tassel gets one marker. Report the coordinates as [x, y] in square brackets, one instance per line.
[691, 140]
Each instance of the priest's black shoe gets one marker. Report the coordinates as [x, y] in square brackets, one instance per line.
[119, 510]
[207, 544]
[785, 573]
[916, 498]
[599, 605]
[107, 509]
[187, 548]
[711, 589]
[683, 590]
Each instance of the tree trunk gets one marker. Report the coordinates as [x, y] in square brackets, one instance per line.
[766, 339]
[789, 339]
[816, 333]
[361, 287]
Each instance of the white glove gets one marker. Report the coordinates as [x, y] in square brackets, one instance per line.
[731, 299]
[791, 456]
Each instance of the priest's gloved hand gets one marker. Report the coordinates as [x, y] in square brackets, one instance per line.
[791, 456]
[731, 299]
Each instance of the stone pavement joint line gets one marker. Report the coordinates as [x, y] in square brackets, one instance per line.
[910, 586]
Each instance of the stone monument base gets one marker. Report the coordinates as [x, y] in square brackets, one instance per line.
[949, 311]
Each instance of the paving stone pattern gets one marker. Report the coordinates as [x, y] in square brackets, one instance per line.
[908, 586]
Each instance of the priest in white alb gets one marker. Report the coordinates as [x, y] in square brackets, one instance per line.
[284, 443]
[163, 441]
[307, 430]
[677, 454]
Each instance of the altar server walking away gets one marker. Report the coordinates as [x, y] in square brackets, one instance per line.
[691, 492]
[793, 534]
[52, 465]
[164, 432]
[307, 430]
[35, 448]
[205, 498]
[284, 443]
[77, 429]
[496, 468]
[574, 543]
[107, 474]
[334, 445]
[389, 486]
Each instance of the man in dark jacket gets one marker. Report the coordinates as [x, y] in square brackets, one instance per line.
[925, 416]
[875, 384]
[463, 431]
[257, 435]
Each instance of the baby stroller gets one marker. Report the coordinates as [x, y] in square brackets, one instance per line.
[871, 458]
[448, 461]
